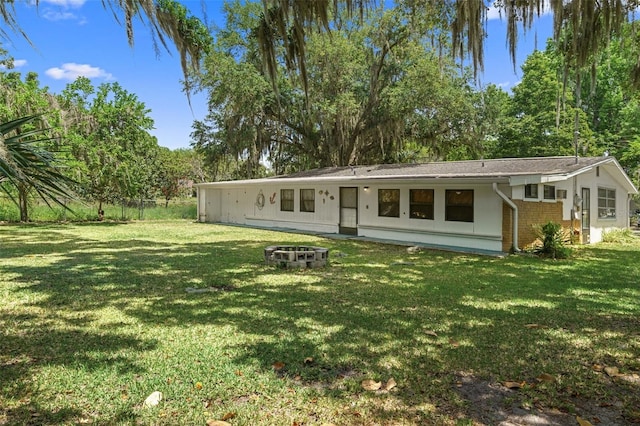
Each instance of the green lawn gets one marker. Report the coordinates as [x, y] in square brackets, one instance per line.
[95, 317]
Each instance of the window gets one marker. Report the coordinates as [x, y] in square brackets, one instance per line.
[421, 203]
[606, 203]
[389, 202]
[459, 205]
[549, 192]
[307, 200]
[286, 200]
[531, 190]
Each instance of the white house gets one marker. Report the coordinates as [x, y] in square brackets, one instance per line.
[488, 205]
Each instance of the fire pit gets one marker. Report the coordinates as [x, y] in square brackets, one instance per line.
[296, 256]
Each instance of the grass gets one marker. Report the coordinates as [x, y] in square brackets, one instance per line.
[40, 212]
[95, 317]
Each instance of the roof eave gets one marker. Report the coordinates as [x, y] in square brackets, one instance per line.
[359, 179]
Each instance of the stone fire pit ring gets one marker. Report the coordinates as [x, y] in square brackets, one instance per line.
[296, 256]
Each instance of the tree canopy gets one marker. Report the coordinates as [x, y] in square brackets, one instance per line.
[583, 28]
[375, 92]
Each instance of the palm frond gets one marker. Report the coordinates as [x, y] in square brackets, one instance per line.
[24, 161]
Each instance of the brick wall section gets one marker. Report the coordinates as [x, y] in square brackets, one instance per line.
[530, 213]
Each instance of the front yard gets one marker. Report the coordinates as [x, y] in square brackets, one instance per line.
[96, 317]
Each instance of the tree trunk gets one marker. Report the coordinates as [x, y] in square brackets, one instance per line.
[23, 202]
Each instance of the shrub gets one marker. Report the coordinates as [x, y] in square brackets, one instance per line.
[553, 241]
[618, 236]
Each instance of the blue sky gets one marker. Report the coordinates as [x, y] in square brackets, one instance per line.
[79, 37]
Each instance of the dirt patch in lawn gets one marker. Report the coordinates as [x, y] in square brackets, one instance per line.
[496, 404]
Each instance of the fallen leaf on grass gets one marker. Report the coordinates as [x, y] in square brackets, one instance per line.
[631, 378]
[278, 365]
[217, 423]
[153, 399]
[391, 383]
[454, 343]
[611, 371]
[239, 373]
[544, 377]
[431, 333]
[228, 416]
[532, 325]
[308, 360]
[583, 422]
[198, 385]
[514, 385]
[371, 385]
[596, 367]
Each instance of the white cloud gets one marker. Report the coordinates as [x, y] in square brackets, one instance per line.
[70, 71]
[53, 15]
[59, 10]
[17, 63]
[493, 13]
[66, 3]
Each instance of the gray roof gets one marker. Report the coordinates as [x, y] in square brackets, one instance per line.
[515, 171]
[504, 167]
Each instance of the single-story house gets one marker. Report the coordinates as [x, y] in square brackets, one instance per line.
[485, 205]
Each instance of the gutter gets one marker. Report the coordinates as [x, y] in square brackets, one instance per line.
[515, 215]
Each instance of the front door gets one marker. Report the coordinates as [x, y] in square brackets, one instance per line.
[586, 215]
[348, 211]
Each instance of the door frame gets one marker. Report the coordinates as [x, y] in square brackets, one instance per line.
[585, 215]
[351, 206]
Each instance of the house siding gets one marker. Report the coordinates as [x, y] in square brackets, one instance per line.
[484, 233]
[604, 179]
[238, 205]
[257, 202]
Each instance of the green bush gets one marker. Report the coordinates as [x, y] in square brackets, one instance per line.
[83, 212]
[9, 212]
[618, 236]
[554, 239]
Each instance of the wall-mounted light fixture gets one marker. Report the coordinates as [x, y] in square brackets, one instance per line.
[366, 188]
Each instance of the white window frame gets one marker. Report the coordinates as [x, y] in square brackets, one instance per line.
[307, 200]
[552, 190]
[287, 204]
[532, 185]
[608, 208]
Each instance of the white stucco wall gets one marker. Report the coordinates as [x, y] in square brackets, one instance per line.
[238, 204]
[209, 205]
[484, 233]
[323, 219]
[602, 178]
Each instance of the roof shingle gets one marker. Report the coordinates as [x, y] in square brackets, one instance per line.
[502, 167]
